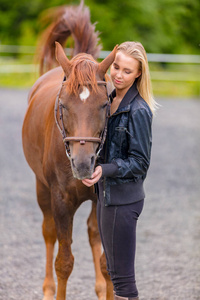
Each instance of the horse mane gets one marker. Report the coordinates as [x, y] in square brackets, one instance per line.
[83, 73]
[63, 22]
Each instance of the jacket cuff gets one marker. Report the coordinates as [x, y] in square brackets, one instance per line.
[109, 170]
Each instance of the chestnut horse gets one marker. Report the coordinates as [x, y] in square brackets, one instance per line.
[63, 129]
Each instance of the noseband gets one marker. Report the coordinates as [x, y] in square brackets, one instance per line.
[82, 140]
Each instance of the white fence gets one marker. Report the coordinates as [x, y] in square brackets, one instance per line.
[152, 57]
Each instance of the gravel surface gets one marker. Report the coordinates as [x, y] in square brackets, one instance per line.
[168, 235]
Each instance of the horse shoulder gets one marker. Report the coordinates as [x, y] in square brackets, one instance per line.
[39, 120]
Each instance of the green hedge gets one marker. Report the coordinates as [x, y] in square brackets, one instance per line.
[163, 26]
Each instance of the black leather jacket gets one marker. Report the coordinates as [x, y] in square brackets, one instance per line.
[125, 157]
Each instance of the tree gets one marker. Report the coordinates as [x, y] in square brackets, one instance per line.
[167, 26]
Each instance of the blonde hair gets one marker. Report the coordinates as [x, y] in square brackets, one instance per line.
[137, 51]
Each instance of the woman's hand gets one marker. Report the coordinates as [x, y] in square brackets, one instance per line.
[95, 177]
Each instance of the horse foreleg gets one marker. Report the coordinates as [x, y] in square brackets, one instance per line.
[95, 243]
[109, 285]
[49, 234]
[63, 265]
[63, 215]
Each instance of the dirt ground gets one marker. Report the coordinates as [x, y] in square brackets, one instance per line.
[168, 233]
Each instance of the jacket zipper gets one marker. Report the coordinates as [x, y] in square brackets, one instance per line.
[128, 132]
[124, 129]
[104, 179]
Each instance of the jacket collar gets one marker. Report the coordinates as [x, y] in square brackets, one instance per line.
[128, 98]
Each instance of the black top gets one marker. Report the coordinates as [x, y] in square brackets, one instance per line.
[125, 157]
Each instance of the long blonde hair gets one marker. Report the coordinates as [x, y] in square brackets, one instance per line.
[137, 51]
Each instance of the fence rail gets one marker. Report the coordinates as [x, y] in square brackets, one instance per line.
[152, 57]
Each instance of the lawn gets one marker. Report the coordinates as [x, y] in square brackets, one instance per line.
[174, 80]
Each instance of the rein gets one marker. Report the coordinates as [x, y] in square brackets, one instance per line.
[82, 140]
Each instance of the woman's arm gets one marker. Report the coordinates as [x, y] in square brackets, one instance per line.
[139, 151]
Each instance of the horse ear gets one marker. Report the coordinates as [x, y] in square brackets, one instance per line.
[105, 64]
[62, 58]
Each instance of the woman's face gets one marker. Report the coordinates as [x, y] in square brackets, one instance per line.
[124, 71]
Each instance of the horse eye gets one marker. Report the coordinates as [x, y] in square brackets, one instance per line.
[104, 105]
[63, 106]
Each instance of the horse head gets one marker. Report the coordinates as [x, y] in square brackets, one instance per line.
[84, 107]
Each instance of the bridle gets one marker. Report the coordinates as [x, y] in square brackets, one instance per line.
[82, 140]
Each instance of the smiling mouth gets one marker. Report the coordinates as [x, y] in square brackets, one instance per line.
[117, 81]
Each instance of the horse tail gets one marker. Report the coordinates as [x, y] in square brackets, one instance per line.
[63, 22]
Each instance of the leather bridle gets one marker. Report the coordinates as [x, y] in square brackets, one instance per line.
[82, 140]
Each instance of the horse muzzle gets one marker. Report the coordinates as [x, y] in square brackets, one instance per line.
[83, 168]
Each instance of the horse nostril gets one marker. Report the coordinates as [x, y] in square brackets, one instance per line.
[92, 160]
[73, 163]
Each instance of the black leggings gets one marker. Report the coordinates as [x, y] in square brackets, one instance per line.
[117, 226]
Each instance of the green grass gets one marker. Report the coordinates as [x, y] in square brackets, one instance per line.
[176, 88]
[17, 80]
[185, 83]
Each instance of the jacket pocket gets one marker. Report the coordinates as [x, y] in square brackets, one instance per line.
[123, 129]
[121, 140]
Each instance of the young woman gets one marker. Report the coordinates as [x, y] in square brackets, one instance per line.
[123, 165]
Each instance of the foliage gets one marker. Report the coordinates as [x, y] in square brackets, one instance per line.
[167, 26]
